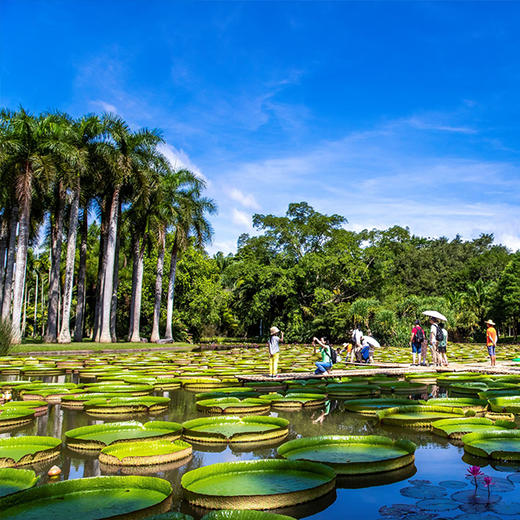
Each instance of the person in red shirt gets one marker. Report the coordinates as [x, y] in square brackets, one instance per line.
[491, 341]
[416, 341]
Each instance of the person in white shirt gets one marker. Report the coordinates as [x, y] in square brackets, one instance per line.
[433, 341]
[357, 343]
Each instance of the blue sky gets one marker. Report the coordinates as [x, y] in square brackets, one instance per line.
[388, 113]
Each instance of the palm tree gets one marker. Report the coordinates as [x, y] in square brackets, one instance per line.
[22, 146]
[85, 134]
[189, 220]
[131, 153]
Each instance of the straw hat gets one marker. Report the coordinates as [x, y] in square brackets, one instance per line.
[490, 322]
[274, 330]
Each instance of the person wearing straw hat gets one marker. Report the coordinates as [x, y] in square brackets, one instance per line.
[491, 341]
[273, 346]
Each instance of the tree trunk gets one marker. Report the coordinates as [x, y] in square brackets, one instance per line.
[135, 336]
[158, 288]
[4, 235]
[171, 291]
[21, 259]
[9, 268]
[113, 312]
[69, 268]
[51, 334]
[104, 335]
[135, 256]
[82, 276]
[102, 263]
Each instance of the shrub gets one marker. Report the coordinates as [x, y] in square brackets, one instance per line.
[6, 337]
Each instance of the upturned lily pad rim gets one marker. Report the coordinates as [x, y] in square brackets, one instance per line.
[19, 478]
[170, 428]
[388, 412]
[348, 467]
[47, 447]
[499, 454]
[64, 487]
[259, 501]
[280, 428]
[244, 514]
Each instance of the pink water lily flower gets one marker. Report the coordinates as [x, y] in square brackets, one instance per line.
[474, 471]
[488, 481]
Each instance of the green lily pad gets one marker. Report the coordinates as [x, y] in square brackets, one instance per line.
[13, 480]
[19, 451]
[350, 454]
[457, 428]
[417, 416]
[298, 400]
[510, 404]
[257, 484]
[427, 491]
[144, 452]
[497, 444]
[244, 514]
[349, 390]
[235, 429]
[126, 405]
[437, 504]
[371, 406]
[233, 405]
[89, 498]
[97, 436]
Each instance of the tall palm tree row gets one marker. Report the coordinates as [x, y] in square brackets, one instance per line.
[58, 175]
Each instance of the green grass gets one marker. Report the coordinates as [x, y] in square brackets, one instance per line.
[89, 345]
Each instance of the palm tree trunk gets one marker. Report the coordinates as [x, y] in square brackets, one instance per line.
[51, 334]
[113, 312]
[135, 256]
[101, 268]
[104, 335]
[9, 268]
[82, 276]
[135, 336]
[158, 288]
[21, 259]
[171, 291]
[69, 268]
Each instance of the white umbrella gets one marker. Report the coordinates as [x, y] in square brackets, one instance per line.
[435, 314]
[371, 341]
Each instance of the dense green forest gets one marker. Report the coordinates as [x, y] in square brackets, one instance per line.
[101, 238]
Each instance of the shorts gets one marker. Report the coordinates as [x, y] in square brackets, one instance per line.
[491, 350]
[441, 349]
[416, 348]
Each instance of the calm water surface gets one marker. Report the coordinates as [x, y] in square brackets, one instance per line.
[356, 498]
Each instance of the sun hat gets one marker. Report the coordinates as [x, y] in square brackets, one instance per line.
[274, 330]
[490, 322]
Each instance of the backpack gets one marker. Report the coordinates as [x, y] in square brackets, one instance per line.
[333, 355]
[419, 335]
[439, 335]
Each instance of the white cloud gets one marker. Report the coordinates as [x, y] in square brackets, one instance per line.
[179, 159]
[106, 107]
[241, 219]
[246, 199]
[425, 124]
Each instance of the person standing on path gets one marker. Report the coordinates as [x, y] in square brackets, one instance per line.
[491, 341]
[273, 346]
[357, 340]
[433, 341]
[416, 341]
[442, 346]
[323, 366]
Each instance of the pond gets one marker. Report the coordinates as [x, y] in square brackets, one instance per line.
[425, 489]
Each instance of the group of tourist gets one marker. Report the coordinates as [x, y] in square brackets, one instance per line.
[437, 342]
[360, 350]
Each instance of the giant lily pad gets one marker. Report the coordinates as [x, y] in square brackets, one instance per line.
[244, 514]
[97, 436]
[77, 401]
[417, 416]
[233, 405]
[13, 480]
[349, 390]
[497, 444]
[126, 405]
[464, 403]
[457, 428]
[235, 429]
[257, 484]
[11, 417]
[372, 406]
[298, 400]
[19, 451]
[135, 390]
[510, 404]
[350, 454]
[144, 452]
[89, 498]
